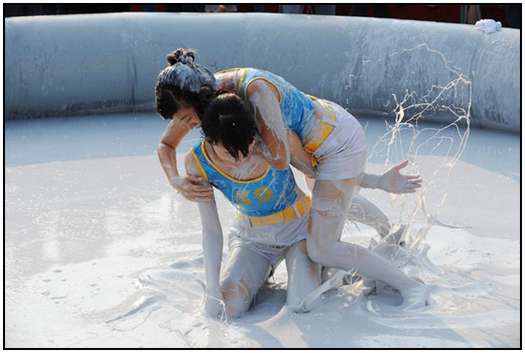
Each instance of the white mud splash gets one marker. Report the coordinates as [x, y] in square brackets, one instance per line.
[101, 253]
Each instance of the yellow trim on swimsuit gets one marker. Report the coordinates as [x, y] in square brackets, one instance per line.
[229, 176]
[291, 213]
[326, 129]
[242, 74]
[199, 165]
[242, 77]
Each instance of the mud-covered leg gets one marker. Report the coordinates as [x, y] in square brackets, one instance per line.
[303, 274]
[331, 200]
[244, 274]
[363, 211]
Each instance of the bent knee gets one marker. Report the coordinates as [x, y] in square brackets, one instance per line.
[236, 298]
[317, 251]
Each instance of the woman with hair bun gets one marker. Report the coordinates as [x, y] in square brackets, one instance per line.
[316, 136]
[182, 93]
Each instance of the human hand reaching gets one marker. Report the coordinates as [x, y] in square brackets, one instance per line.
[394, 182]
[193, 188]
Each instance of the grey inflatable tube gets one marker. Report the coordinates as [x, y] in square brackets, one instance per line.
[78, 64]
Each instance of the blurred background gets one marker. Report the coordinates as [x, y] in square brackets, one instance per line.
[508, 14]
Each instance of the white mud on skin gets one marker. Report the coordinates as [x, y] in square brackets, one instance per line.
[117, 263]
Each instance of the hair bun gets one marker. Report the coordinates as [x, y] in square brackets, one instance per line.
[181, 55]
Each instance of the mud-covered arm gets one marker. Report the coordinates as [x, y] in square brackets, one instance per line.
[212, 241]
[393, 181]
[191, 187]
[167, 148]
[300, 159]
[270, 123]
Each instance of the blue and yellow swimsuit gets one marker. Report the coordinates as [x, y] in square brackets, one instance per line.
[297, 108]
[269, 199]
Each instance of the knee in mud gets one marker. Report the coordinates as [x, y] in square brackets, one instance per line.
[236, 298]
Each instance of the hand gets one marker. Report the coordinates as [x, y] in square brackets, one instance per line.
[393, 181]
[193, 188]
[185, 118]
[214, 306]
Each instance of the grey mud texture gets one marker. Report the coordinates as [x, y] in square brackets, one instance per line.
[81, 64]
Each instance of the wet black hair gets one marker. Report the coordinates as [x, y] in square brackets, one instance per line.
[183, 83]
[230, 121]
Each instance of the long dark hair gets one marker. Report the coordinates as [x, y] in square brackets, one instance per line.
[230, 121]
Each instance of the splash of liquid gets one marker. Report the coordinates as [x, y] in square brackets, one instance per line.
[404, 139]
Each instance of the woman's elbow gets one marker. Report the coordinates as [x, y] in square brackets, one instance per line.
[164, 147]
